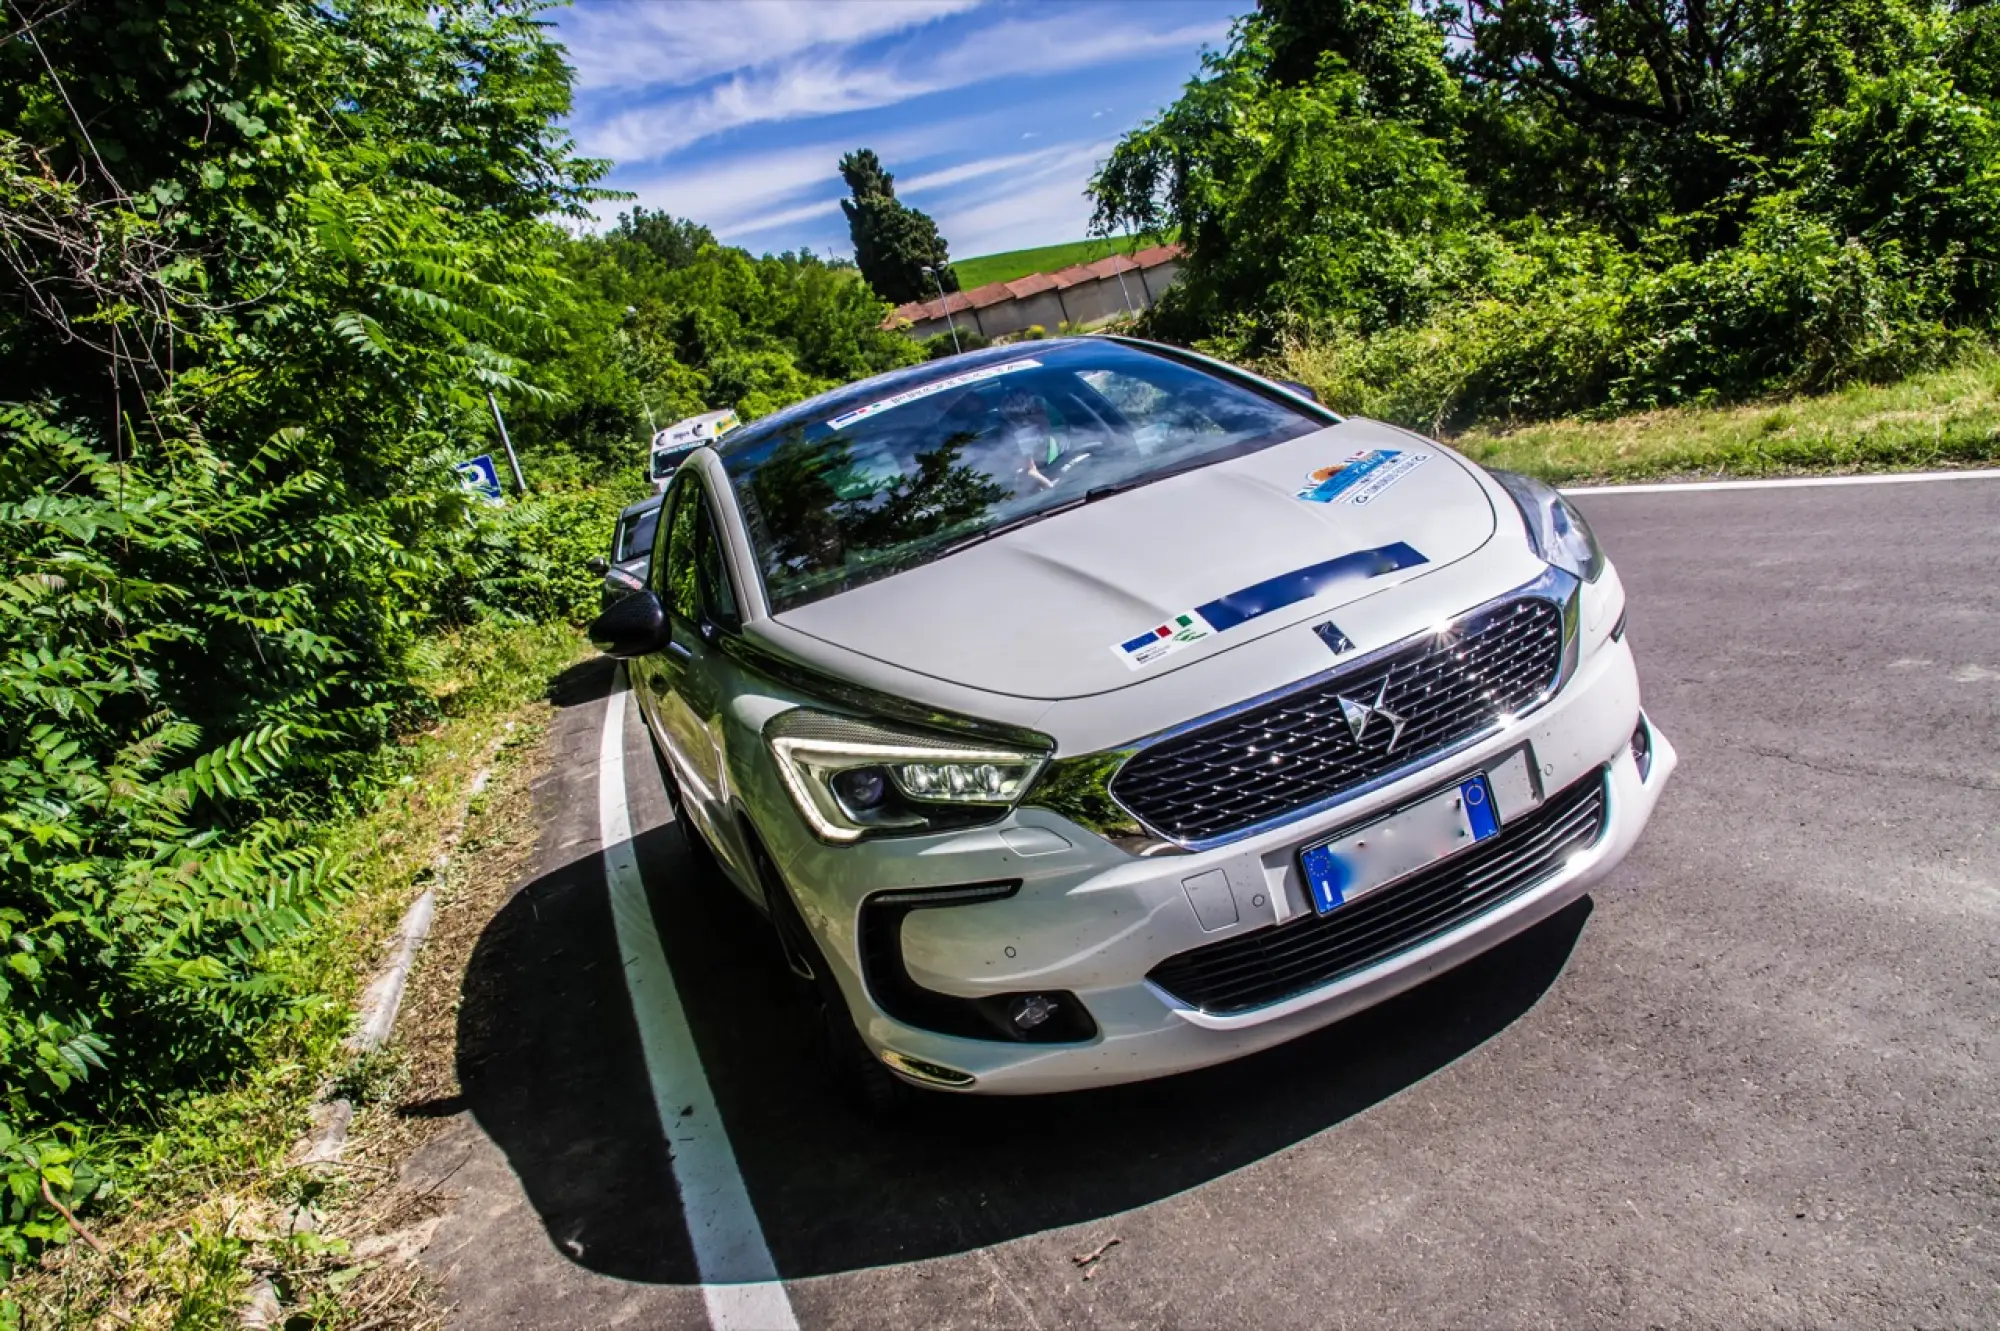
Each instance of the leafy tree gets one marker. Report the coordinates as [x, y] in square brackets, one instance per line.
[260, 265]
[673, 241]
[1552, 205]
[900, 253]
[659, 321]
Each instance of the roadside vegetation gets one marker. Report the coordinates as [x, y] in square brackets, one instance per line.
[1461, 214]
[206, 1191]
[1939, 418]
[266, 271]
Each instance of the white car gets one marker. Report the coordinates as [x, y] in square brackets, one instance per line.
[674, 443]
[1090, 710]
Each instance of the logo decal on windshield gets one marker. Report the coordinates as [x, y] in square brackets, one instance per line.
[1361, 478]
[922, 391]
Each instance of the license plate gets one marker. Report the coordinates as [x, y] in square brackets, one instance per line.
[1356, 863]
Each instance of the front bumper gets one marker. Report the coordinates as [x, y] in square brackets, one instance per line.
[1093, 920]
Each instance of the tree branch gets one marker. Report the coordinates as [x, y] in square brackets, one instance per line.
[74, 1223]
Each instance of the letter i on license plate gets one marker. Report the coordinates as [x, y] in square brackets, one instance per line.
[1357, 862]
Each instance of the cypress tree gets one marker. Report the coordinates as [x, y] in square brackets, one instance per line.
[895, 245]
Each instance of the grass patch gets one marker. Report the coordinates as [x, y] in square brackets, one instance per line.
[1010, 264]
[1944, 418]
[204, 1191]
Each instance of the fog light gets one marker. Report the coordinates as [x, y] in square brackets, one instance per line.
[1642, 748]
[1030, 1011]
[862, 788]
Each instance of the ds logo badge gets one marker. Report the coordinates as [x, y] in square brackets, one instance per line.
[1336, 641]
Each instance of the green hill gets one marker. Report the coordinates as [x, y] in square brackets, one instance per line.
[1010, 264]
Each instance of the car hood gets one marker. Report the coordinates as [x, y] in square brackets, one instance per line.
[1155, 579]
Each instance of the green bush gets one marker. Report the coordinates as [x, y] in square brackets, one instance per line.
[152, 852]
[527, 560]
[250, 317]
[940, 345]
[1571, 325]
[1402, 205]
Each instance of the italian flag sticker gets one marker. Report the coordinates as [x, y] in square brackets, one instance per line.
[1163, 640]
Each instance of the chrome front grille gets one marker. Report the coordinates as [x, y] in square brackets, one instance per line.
[1272, 964]
[1299, 750]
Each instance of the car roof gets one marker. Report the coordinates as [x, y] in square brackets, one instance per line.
[865, 391]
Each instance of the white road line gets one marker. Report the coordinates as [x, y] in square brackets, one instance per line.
[739, 1280]
[1787, 482]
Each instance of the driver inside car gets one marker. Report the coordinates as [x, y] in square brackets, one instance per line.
[1027, 427]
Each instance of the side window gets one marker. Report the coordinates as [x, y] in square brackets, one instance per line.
[694, 578]
[713, 576]
[635, 538]
[676, 574]
[656, 558]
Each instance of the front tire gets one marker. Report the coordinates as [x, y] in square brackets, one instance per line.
[699, 851]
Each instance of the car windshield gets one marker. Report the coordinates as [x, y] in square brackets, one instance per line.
[874, 485]
[667, 459]
[635, 535]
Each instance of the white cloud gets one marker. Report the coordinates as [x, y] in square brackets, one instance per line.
[726, 192]
[629, 44]
[808, 86]
[824, 82]
[1053, 212]
[805, 212]
[1042, 202]
[742, 193]
[1016, 164]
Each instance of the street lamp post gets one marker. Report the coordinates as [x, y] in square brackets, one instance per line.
[944, 303]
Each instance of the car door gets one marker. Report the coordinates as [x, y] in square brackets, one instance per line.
[701, 606]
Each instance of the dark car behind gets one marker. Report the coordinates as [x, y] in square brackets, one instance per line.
[631, 551]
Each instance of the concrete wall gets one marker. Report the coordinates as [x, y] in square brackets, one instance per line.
[1090, 302]
[1085, 303]
[1011, 316]
[1159, 278]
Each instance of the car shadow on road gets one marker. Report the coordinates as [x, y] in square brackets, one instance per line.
[586, 681]
[550, 1065]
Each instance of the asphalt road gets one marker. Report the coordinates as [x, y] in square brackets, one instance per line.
[1751, 1082]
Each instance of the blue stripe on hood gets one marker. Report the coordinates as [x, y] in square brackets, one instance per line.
[1238, 607]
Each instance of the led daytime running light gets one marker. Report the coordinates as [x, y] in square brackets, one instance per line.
[812, 748]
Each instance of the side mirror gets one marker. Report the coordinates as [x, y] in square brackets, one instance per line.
[596, 564]
[1298, 388]
[636, 626]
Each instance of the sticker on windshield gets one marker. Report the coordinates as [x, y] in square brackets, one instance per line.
[1360, 479]
[1164, 640]
[935, 386]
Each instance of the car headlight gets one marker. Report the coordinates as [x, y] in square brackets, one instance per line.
[1556, 530]
[850, 777]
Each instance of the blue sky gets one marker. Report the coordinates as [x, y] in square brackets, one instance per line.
[991, 113]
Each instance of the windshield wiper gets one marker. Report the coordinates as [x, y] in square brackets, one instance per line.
[1011, 524]
[1090, 496]
[1097, 492]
